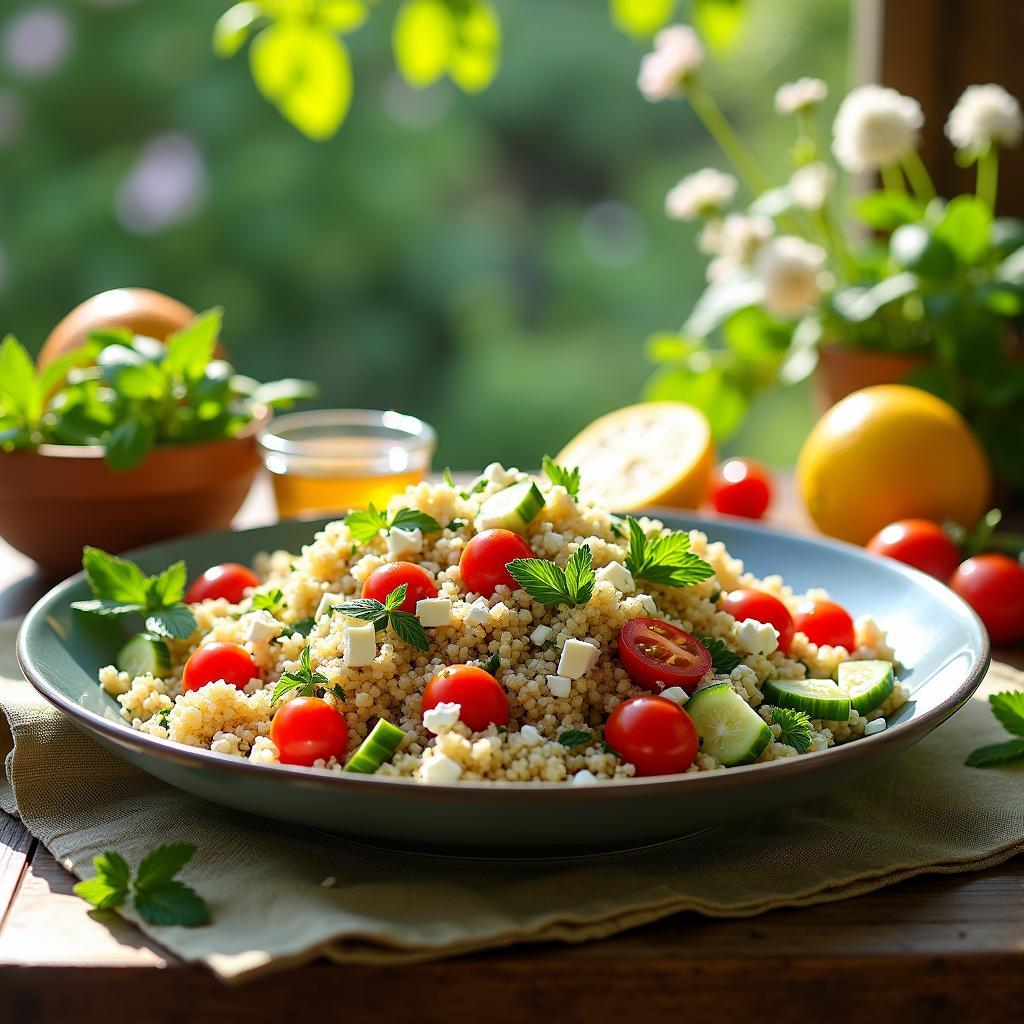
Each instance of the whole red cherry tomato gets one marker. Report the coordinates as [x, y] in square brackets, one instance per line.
[825, 623]
[308, 729]
[761, 607]
[657, 654]
[385, 579]
[653, 733]
[993, 585]
[209, 663]
[479, 694]
[229, 580]
[920, 543]
[741, 487]
[484, 558]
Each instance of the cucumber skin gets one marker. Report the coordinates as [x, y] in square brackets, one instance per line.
[781, 698]
[764, 736]
[381, 741]
[513, 519]
[161, 663]
[859, 704]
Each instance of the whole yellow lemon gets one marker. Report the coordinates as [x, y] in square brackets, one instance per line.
[891, 452]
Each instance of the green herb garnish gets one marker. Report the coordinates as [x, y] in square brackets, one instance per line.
[723, 657]
[456, 524]
[269, 601]
[573, 738]
[480, 484]
[491, 665]
[562, 476]
[795, 726]
[1008, 707]
[305, 681]
[404, 625]
[547, 583]
[120, 587]
[448, 477]
[365, 524]
[158, 897]
[300, 628]
[665, 560]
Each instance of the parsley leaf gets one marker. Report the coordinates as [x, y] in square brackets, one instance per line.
[406, 627]
[269, 601]
[547, 583]
[665, 560]
[562, 476]
[305, 679]
[365, 524]
[575, 738]
[1008, 707]
[795, 726]
[109, 886]
[995, 754]
[723, 657]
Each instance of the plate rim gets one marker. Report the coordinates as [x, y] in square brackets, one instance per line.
[122, 734]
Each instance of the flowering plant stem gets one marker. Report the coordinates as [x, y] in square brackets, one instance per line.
[725, 135]
[988, 177]
[918, 176]
[892, 179]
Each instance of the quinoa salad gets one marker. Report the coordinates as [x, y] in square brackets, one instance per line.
[508, 631]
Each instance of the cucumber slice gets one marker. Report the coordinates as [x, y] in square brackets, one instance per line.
[729, 728]
[513, 509]
[818, 698]
[377, 748]
[866, 683]
[144, 655]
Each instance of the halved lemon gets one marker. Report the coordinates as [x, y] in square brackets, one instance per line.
[655, 453]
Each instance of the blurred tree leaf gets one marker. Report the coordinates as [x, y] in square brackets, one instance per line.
[233, 27]
[719, 21]
[886, 211]
[423, 38]
[476, 55]
[966, 227]
[342, 15]
[641, 18]
[711, 390]
[305, 71]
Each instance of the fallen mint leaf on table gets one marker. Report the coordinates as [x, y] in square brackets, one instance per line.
[1008, 707]
[996, 753]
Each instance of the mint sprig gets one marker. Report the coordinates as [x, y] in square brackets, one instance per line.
[365, 524]
[159, 897]
[795, 726]
[562, 476]
[120, 587]
[547, 583]
[405, 626]
[723, 658]
[304, 681]
[1008, 707]
[665, 560]
[572, 738]
[269, 601]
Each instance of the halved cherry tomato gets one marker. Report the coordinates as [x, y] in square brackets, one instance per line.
[920, 543]
[212, 662]
[308, 729]
[657, 654]
[653, 733]
[484, 558]
[761, 607]
[825, 623]
[385, 579]
[229, 580]
[993, 585]
[741, 487]
[479, 694]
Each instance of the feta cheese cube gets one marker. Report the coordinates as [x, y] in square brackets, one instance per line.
[441, 717]
[553, 543]
[540, 635]
[479, 613]
[648, 605]
[360, 645]
[530, 736]
[618, 576]
[756, 637]
[440, 769]
[434, 611]
[676, 694]
[261, 627]
[876, 725]
[578, 658]
[559, 686]
[584, 777]
[496, 473]
[326, 600]
[404, 542]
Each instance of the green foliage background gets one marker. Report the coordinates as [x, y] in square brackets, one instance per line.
[436, 256]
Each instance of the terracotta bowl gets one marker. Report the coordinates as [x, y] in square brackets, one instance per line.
[843, 370]
[61, 497]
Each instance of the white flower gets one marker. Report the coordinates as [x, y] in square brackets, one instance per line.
[735, 242]
[793, 274]
[803, 94]
[809, 186]
[983, 115]
[875, 127]
[702, 194]
[676, 57]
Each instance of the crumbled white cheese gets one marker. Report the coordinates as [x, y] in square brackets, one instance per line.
[584, 777]
[496, 473]
[559, 686]
[404, 542]
[874, 726]
[434, 611]
[578, 658]
[676, 694]
[324, 607]
[360, 645]
[553, 543]
[530, 736]
[441, 717]
[756, 637]
[648, 605]
[440, 769]
[479, 613]
[540, 635]
[260, 627]
[618, 576]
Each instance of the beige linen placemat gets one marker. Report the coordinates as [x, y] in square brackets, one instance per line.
[925, 812]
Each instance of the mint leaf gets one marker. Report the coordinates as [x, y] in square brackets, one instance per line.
[168, 588]
[562, 476]
[491, 665]
[723, 658]
[365, 609]
[191, 349]
[130, 442]
[172, 903]
[305, 679]
[365, 524]
[175, 622]
[413, 519]
[104, 607]
[575, 738]
[162, 864]
[114, 579]
[456, 524]
[580, 576]
[269, 601]
[795, 726]
[480, 484]
[109, 886]
[396, 597]
[409, 630]
[1008, 707]
[541, 579]
[996, 754]
[302, 628]
[665, 560]
[141, 381]
[20, 392]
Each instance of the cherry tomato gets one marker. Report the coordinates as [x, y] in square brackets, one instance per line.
[653, 733]
[484, 559]
[657, 654]
[920, 543]
[212, 662]
[387, 578]
[825, 623]
[993, 585]
[229, 581]
[761, 607]
[307, 729]
[480, 695]
[741, 487]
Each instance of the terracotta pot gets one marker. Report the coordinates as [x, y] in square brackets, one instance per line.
[61, 497]
[843, 369]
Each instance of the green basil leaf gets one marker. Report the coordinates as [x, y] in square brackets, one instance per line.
[142, 382]
[20, 390]
[191, 349]
[130, 442]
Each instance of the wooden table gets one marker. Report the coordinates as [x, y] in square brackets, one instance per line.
[939, 948]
